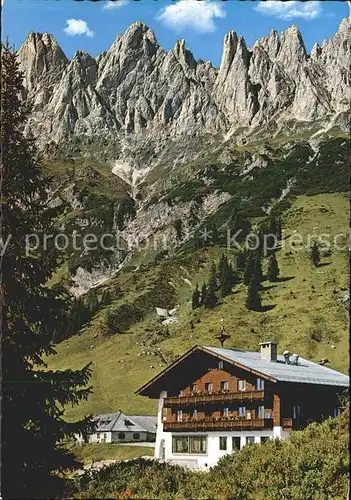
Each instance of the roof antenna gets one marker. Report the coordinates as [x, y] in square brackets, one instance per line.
[223, 335]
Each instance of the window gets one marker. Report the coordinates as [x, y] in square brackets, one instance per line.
[260, 412]
[241, 385]
[193, 388]
[224, 385]
[242, 411]
[250, 439]
[197, 444]
[336, 411]
[208, 413]
[180, 444]
[179, 415]
[296, 410]
[136, 435]
[236, 443]
[260, 384]
[225, 412]
[189, 444]
[164, 413]
[264, 439]
[220, 365]
[223, 443]
[209, 387]
[121, 435]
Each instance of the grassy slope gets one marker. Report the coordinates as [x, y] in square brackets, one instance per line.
[108, 451]
[299, 312]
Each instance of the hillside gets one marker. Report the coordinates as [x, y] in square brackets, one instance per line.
[308, 316]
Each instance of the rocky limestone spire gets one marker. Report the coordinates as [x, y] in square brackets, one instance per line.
[270, 44]
[292, 48]
[184, 56]
[136, 87]
[42, 60]
[230, 44]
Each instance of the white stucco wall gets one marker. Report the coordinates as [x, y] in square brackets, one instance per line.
[213, 453]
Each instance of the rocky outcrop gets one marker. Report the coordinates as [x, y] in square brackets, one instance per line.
[136, 87]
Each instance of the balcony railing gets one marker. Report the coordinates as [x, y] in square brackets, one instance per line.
[293, 423]
[219, 425]
[209, 398]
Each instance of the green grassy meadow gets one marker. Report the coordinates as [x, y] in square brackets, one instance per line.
[307, 316]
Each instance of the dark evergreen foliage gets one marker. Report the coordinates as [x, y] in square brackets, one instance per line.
[257, 274]
[203, 294]
[196, 298]
[273, 268]
[211, 299]
[249, 268]
[253, 299]
[241, 260]
[33, 400]
[226, 276]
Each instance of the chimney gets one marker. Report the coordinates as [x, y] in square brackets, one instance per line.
[286, 355]
[269, 350]
[294, 360]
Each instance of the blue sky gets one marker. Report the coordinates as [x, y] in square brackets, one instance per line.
[92, 26]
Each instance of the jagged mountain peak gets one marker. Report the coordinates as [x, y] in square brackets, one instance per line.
[137, 87]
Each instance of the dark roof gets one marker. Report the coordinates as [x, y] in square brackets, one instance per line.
[305, 372]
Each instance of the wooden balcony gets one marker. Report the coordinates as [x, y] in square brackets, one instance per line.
[229, 397]
[219, 425]
[292, 424]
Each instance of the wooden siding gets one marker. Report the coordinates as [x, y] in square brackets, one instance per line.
[219, 425]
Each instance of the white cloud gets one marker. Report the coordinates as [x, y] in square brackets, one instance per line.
[115, 5]
[78, 27]
[193, 14]
[290, 10]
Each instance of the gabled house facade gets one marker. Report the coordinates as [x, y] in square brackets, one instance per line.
[214, 401]
[120, 428]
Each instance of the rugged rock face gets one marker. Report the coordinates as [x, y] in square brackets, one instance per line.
[138, 88]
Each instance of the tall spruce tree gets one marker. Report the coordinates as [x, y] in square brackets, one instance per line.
[211, 299]
[196, 298]
[253, 299]
[257, 274]
[33, 399]
[226, 276]
[241, 260]
[249, 268]
[203, 294]
[273, 268]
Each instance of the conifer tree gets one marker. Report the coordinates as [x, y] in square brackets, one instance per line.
[315, 254]
[195, 300]
[211, 299]
[273, 268]
[33, 400]
[203, 294]
[226, 276]
[279, 229]
[253, 299]
[257, 272]
[249, 268]
[241, 260]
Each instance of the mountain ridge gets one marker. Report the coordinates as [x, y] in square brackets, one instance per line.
[136, 87]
